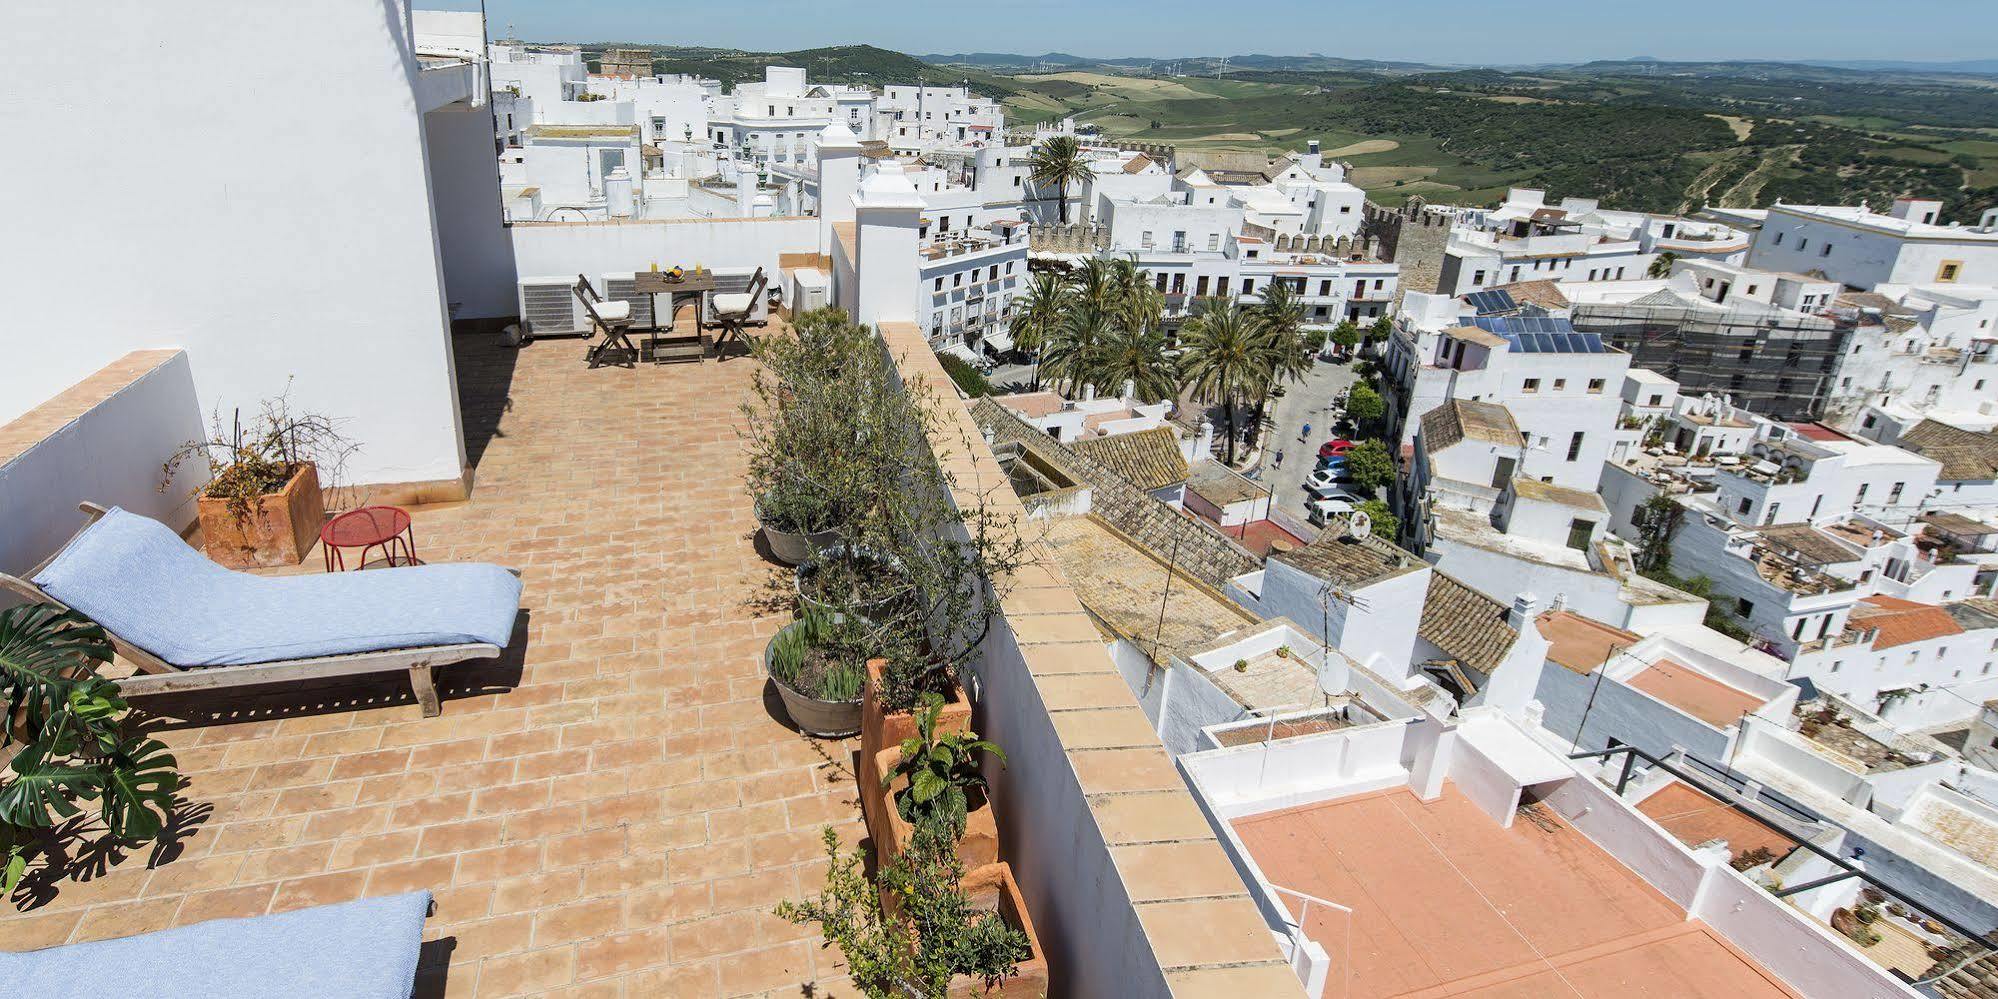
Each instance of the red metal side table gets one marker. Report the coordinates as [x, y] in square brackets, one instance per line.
[385, 527]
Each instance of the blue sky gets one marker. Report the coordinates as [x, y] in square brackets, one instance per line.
[1456, 31]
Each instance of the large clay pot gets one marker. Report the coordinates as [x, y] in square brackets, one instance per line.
[892, 834]
[793, 548]
[874, 611]
[992, 887]
[280, 530]
[825, 719]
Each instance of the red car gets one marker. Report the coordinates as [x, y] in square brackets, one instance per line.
[1337, 445]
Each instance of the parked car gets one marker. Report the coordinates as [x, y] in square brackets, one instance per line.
[1336, 461]
[1337, 445]
[1325, 483]
[1339, 504]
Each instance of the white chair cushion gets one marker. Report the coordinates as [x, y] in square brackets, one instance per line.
[611, 311]
[734, 304]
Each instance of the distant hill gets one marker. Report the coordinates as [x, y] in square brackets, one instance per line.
[1008, 60]
[1980, 67]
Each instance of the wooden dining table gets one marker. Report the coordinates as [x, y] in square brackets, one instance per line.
[686, 347]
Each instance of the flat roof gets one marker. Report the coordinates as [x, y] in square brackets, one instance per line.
[1131, 592]
[1580, 643]
[1445, 899]
[1695, 819]
[1694, 692]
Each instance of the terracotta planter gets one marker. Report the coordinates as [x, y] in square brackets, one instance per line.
[791, 548]
[992, 887]
[824, 719]
[977, 847]
[882, 729]
[281, 529]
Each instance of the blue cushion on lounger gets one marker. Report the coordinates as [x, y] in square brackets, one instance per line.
[354, 950]
[138, 579]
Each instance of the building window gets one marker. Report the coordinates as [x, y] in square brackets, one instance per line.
[1742, 508]
[1743, 606]
[1657, 399]
[1213, 241]
[1769, 516]
[1894, 494]
[1531, 386]
[939, 282]
[1802, 245]
[1595, 386]
[1825, 250]
[1200, 286]
[1779, 239]
[1221, 288]
[1248, 286]
[1477, 277]
[1560, 383]
[1575, 445]
[1325, 287]
[1837, 664]
[1861, 497]
[1949, 270]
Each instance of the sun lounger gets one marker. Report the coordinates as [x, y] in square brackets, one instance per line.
[354, 950]
[189, 624]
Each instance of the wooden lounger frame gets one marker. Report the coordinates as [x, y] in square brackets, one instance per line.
[156, 676]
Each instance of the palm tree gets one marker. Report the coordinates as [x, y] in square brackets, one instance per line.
[1058, 162]
[1221, 360]
[1661, 265]
[1038, 315]
[1136, 354]
[1096, 285]
[1284, 347]
[1071, 353]
[1138, 304]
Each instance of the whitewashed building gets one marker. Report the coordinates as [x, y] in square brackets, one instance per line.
[1526, 239]
[1861, 248]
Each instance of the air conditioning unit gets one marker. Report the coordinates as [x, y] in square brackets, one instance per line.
[622, 286]
[548, 307]
[809, 290]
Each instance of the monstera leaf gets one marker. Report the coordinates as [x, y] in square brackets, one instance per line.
[139, 782]
[44, 653]
[40, 789]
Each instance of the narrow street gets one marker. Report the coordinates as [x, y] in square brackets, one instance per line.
[1302, 403]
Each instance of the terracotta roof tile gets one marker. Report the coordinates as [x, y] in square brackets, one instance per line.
[1902, 621]
[1465, 624]
[1149, 458]
[1966, 455]
[1458, 419]
[1580, 643]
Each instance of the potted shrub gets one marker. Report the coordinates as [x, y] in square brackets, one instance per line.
[67, 720]
[264, 502]
[933, 778]
[818, 665]
[792, 524]
[927, 928]
[853, 579]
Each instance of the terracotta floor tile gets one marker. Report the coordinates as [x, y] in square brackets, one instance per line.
[614, 780]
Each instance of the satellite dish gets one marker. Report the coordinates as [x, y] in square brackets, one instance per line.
[1335, 676]
[1360, 525]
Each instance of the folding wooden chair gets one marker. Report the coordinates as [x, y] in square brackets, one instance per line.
[613, 318]
[734, 311]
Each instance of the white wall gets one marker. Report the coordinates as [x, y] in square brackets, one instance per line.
[112, 455]
[554, 249]
[272, 259]
[473, 243]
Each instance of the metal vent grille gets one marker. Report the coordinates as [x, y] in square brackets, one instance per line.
[548, 309]
[624, 288]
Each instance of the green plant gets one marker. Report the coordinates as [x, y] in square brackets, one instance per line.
[1365, 405]
[1370, 465]
[1059, 162]
[1241, 665]
[943, 771]
[246, 463]
[969, 379]
[823, 655]
[67, 719]
[927, 932]
[1657, 520]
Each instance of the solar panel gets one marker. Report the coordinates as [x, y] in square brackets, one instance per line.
[1541, 334]
[1491, 303]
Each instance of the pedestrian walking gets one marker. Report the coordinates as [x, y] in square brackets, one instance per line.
[1306, 435]
[1278, 463]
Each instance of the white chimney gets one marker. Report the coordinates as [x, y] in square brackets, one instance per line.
[745, 192]
[617, 193]
[1560, 602]
[1523, 607]
[1130, 389]
[1089, 392]
[1203, 444]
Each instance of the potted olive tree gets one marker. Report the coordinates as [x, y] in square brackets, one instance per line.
[66, 721]
[264, 502]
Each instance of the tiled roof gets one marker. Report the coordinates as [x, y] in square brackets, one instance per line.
[1974, 614]
[1809, 543]
[1475, 335]
[1546, 294]
[1458, 419]
[1149, 458]
[1965, 454]
[1580, 499]
[1958, 524]
[1349, 562]
[1902, 621]
[1465, 624]
[1137, 164]
[1032, 405]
